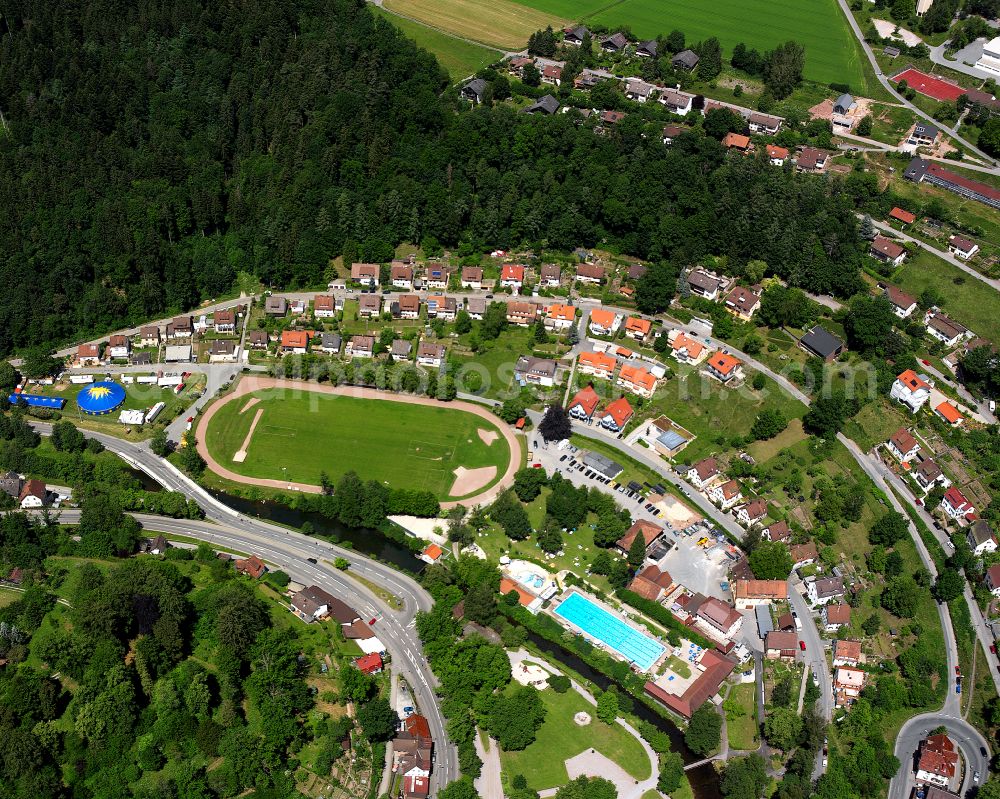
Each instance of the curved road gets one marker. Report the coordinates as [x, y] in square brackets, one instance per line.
[966, 738]
[290, 550]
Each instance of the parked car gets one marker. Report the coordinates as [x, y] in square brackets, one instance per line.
[802, 645]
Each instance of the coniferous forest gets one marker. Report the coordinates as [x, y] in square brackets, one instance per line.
[151, 151]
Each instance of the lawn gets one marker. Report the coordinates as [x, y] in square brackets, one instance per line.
[741, 721]
[459, 57]
[403, 445]
[560, 738]
[8, 596]
[678, 666]
[499, 23]
[832, 53]
[966, 299]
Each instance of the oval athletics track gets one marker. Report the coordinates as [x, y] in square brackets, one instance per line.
[248, 385]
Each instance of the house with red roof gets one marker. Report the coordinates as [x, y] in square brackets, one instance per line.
[720, 616]
[703, 472]
[779, 531]
[937, 762]
[685, 348]
[962, 248]
[726, 495]
[958, 507]
[252, 567]
[902, 303]
[753, 512]
[651, 583]
[713, 669]
[603, 322]
[294, 341]
[583, 404]
[369, 664]
[992, 579]
[324, 306]
[887, 251]
[616, 415]
[512, 276]
[88, 355]
[637, 380]
[597, 364]
[902, 216]
[560, 317]
[638, 328]
[724, 367]
[431, 554]
[949, 414]
[742, 302]
[911, 389]
[836, 616]
[776, 155]
[590, 273]
[650, 533]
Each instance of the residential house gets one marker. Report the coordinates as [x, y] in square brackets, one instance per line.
[724, 367]
[646, 49]
[546, 106]
[911, 389]
[401, 275]
[616, 415]
[686, 349]
[826, 590]
[846, 653]
[583, 404]
[512, 276]
[294, 341]
[88, 355]
[324, 306]
[252, 567]
[637, 380]
[753, 512]
[369, 306]
[726, 495]
[764, 123]
[779, 531]
[780, 645]
[923, 135]
[887, 251]
[836, 616]
[472, 277]
[257, 339]
[750, 593]
[552, 74]
[560, 317]
[222, 351]
[937, 760]
[609, 118]
[902, 303]
[981, 537]
[671, 132]
[685, 59]
[650, 534]
[945, 329]
[636, 271]
[638, 328]
[575, 36]
[475, 307]
[297, 306]
[590, 273]
[517, 64]
[522, 314]
[474, 91]
[409, 306]
[949, 414]
[180, 327]
[369, 664]
[962, 248]
[550, 275]
[400, 349]
[902, 216]
[11, 484]
[614, 43]
[330, 343]
[677, 102]
[651, 583]
[803, 554]
[442, 307]
[535, 371]
[34, 494]
[704, 284]
[603, 322]
[225, 321]
[313, 603]
[703, 472]
[822, 343]
[848, 683]
[902, 445]
[742, 302]
[958, 507]
[638, 91]
[720, 616]
[149, 336]
[992, 579]
[597, 364]
[430, 354]
[928, 474]
[273, 306]
[436, 276]
[737, 141]
[360, 347]
[119, 346]
[365, 274]
[776, 155]
[811, 160]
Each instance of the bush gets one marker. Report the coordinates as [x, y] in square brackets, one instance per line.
[559, 683]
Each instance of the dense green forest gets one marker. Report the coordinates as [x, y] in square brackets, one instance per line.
[153, 151]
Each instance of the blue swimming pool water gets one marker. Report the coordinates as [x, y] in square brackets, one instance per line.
[596, 622]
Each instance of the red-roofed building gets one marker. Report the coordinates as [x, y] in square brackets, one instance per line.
[715, 668]
[721, 616]
[88, 355]
[560, 317]
[603, 322]
[417, 726]
[512, 276]
[726, 495]
[956, 505]
[742, 302]
[750, 593]
[638, 328]
[590, 273]
[651, 583]
[950, 414]
[296, 341]
[637, 380]
[846, 653]
[902, 445]
[776, 155]
[938, 760]
[416, 786]
[962, 248]
[724, 367]
[252, 567]
[686, 349]
[597, 364]
[703, 472]
[617, 415]
[523, 597]
[650, 532]
[583, 405]
[369, 664]
[992, 579]
[324, 306]
[900, 215]
[887, 250]
[780, 645]
[432, 554]
[836, 616]
[736, 141]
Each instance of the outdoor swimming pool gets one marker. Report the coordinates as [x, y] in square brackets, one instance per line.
[531, 580]
[607, 628]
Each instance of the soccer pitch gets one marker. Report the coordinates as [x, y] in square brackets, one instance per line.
[400, 444]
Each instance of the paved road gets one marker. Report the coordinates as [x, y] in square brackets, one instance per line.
[290, 550]
[981, 406]
[938, 57]
[815, 654]
[965, 736]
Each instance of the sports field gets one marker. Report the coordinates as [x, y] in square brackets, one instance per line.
[294, 436]
[500, 23]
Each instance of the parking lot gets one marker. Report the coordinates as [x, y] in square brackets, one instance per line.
[698, 569]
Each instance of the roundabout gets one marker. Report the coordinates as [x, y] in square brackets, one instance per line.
[285, 434]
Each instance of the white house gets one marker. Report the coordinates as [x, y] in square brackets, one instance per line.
[981, 537]
[726, 495]
[945, 329]
[119, 346]
[512, 276]
[902, 445]
[962, 248]
[703, 472]
[753, 512]
[911, 389]
[430, 354]
[604, 323]
[958, 507]
[902, 303]
[826, 590]
[401, 275]
[993, 579]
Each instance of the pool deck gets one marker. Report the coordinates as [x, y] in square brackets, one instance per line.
[600, 643]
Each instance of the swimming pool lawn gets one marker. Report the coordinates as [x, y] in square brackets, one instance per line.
[603, 626]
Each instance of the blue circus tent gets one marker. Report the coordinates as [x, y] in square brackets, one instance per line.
[98, 399]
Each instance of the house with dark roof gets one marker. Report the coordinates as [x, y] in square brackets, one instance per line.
[274, 306]
[811, 160]
[704, 284]
[920, 170]
[575, 36]
[945, 329]
[962, 248]
[825, 590]
[981, 537]
[546, 106]
[614, 43]
[703, 472]
[646, 49]
[924, 135]
[474, 91]
[720, 617]
[685, 59]
[902, 445]
[928, 474]
[313, 603]
[887, 251]
[742, 302]
[779, 531]
[779, 645]
[822, 343]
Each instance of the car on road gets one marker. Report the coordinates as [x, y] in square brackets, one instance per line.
[563, 458]
[802, 645]
[536, 466]
[958, 687]
[982, 751]
[958, 670]
[408, 710]
[311, 560]
[975, 777]
[371, 622]
[925, 363]
[993, 648]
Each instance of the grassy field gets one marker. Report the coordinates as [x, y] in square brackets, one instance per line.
[560, 738]
[741, 722]
[832, 53]
[500, 23]
[459, 57]
[297, 437]
[967, 300]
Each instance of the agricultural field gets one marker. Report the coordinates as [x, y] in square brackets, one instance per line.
[832, 53]
[499, 23]
[459, 57]
[403, 445]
